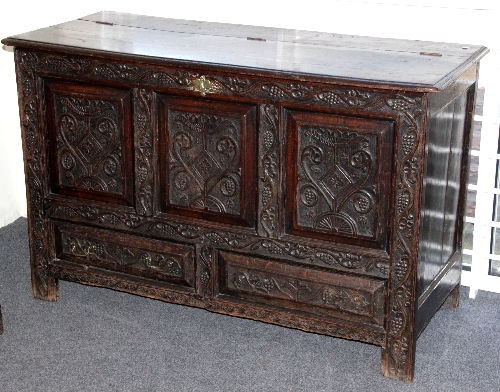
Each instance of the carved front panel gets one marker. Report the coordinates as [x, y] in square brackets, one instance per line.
[339, 174]
[205, 153]
[89, 141]
[208, 162]
[302, 289]
[124, 253]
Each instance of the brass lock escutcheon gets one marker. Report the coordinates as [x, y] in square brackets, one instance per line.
[202, 85]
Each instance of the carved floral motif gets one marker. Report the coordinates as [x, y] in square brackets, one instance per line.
[269, 170]
[150, 75]
[44, 286]
[143, 150]
[398, 351]
[205, 278]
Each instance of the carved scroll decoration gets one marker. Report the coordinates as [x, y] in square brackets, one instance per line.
[205, 161]
[229, 240]
[337, 190]
[88, 144]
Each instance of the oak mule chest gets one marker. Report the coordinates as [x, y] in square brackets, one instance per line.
[310, 180]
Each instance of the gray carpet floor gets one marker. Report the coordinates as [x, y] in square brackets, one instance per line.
[96, 339]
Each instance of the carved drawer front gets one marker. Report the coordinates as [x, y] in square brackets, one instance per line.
[291, 287]
[338, 177]
[90, 141]
[207, 159]
[123, 253]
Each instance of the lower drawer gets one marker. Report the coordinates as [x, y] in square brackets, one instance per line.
[129, 254]
[292, 287]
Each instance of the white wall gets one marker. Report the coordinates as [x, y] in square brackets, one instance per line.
[472, 22]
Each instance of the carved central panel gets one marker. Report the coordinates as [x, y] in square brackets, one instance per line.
[338, 168]
[88, 144]
[208, 168]
[205, 152]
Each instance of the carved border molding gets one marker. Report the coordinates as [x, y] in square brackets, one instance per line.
[43, 285]
[397, 358]
[272, 316]
[269, 171]
[298, 322]
[222, 238]
[143, 145]
[90, 277]
[170, 77]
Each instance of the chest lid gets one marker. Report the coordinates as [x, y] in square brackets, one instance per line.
[307, 55]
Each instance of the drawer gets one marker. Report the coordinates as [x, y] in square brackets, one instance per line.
[319, 292]
[129, 254]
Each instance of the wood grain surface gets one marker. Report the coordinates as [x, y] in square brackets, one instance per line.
[417, 64]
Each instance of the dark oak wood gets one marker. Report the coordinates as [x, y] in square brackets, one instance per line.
[414, 64]
[310, 180]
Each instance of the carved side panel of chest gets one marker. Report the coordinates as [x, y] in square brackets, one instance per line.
[90, 141]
